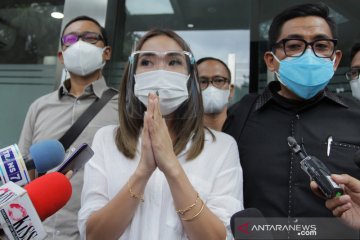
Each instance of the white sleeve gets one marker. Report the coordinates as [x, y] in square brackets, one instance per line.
[94, 193]
[226, 197]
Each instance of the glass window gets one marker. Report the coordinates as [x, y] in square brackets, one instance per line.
[221, 29]
[211, 28]
[29, 40]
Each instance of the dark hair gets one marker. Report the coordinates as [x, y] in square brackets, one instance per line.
[303, 10]
[204, 59]
[86, 18]
[354, 50]
[186, 129]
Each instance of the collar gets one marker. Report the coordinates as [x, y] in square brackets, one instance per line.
[97, 87]
[270, 93]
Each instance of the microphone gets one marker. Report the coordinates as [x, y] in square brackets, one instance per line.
[357, 158]
[241, 225]
[23, 209]
[43, 156]
[49, 193]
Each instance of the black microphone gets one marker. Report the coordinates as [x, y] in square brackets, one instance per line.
[357, 158]
[241, 225]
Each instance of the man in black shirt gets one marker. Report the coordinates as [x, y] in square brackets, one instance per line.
[304, 57]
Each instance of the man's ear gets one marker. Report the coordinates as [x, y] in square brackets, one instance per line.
[232, 91]
[270, 61]
[60, 57]
[338, 55]
[107, 53]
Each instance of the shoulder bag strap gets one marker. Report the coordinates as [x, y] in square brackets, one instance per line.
[75, 130]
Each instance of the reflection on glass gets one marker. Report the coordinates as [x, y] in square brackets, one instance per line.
[28, 32]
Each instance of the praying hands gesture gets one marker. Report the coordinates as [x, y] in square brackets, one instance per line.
[157, 151]
[157, 144]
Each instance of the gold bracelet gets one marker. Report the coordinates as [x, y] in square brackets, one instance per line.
[183, 211]
[197, 214]
[134, 195]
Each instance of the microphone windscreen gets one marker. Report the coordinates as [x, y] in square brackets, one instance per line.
[357, 158]
[249, 213]
[49, 193]
[47, 154]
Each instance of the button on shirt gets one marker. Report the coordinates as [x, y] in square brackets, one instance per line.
[216, 174]
[49, 117]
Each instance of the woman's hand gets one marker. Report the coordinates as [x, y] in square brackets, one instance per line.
[161, 142]
[147, 164]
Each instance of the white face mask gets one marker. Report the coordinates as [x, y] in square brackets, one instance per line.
[171, 86]
[215, 99]
[83, 58]
[355, 88]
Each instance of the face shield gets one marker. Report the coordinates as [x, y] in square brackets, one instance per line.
[170, 75]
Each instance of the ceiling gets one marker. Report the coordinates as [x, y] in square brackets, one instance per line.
[203, 14]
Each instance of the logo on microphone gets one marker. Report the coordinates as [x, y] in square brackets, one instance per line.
[9, 160]
[6, 195]
[16, 212]
[19, 222]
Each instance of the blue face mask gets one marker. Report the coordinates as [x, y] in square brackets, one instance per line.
[306, 75]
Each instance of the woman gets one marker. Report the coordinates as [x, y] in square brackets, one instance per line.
[160, 174]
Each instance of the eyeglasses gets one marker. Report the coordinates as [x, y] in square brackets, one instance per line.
[353, 74]
[175, 61]
[216, 81]
[322, 48]
[89, 37]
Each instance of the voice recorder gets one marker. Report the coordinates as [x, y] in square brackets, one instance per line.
[317, 171]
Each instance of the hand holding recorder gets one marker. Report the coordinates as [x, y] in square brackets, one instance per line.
[317, 171]
[347, 206]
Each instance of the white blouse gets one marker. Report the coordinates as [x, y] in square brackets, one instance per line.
[216, 174]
